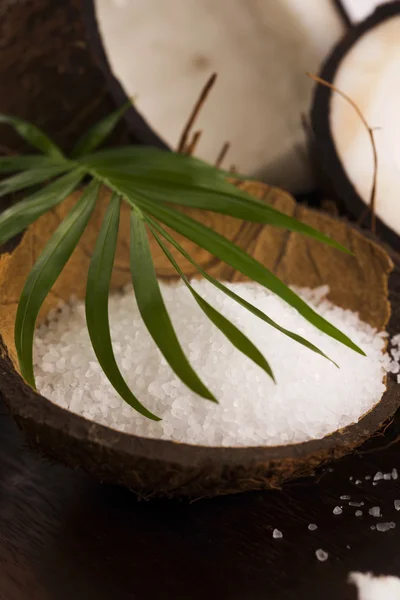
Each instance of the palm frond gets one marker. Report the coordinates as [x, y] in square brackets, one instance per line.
[153, 182]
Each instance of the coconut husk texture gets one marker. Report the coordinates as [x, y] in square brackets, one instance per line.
[54, 73]
[156, 467]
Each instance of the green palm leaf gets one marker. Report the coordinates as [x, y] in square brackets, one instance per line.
[231, 332]
[153, 311]
[97, 293]
[153, 182]
[253, 309]
[99, 132]
[11, 164]
[228, 252]
[44, 274]
[29, 178]
[33, 135]
[16, 218]
[200, 186]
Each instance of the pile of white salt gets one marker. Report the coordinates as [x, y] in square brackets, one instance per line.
[310, 399]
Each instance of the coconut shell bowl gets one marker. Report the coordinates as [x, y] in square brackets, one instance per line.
[360, 282]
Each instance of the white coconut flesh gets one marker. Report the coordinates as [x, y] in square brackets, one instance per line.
[370, 75]
[358, 10]
[164, 52]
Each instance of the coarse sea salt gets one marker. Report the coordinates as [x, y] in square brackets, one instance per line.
[321, 555]
[369, 587]
[311, 398]
[276, 534]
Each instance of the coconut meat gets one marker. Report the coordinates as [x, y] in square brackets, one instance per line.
[370, 75]
[357, 10]
[163, 53]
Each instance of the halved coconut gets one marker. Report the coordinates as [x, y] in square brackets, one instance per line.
[151, 466]
[163, 52]
[365, 66]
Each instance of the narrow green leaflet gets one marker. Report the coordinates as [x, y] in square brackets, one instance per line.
[33, 135]
[204, 190]
[16, 218]
[231, 332]
[44, 274]
[11, 164]
[232, 204]
[29, 178]
[256, 311]
[152, 308]
[99, 132]
[96, 304]
[230, 253]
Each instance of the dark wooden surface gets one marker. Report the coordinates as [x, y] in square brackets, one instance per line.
[65, 536]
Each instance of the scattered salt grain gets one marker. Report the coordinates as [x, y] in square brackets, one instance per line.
[358, 482]
[387, 476]
[359, 513]
[367, 477]
[345, 497]
[252, 410]
[312, 527]
[385, 526]
[321, 555]
[356, 504]
[395, 475]
[370, 587]
[277, 534]
[337, 510]
[397, 504]
[375, 511]
[378, 476]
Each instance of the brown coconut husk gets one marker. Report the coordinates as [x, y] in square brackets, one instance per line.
[156, 467]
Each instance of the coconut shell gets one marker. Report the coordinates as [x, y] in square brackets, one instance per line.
[331, 169]
[55, 75]
[157, 467]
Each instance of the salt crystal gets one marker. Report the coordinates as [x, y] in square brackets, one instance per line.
[395, 475]
[387, 476]
[252, 410]
[375, 511]
[277, 534]
[397, 504]
[337, 510]
[356, 504]
[358, 513]
[345, 497]
[321, 555]
[312, 527]
[358, 482]
[378, 476]
[385, 526]
[367, 477]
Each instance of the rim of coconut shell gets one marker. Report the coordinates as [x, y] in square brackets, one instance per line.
[159, 467]
[325, 149]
